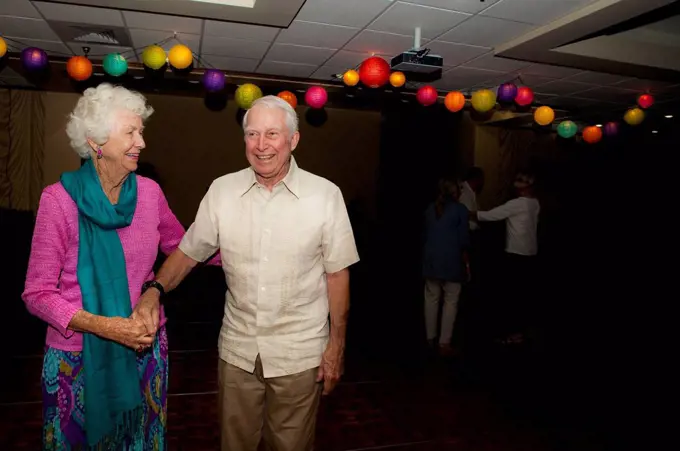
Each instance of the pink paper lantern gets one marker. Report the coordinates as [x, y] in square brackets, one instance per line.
[316, 97]
[645, 101]
[426, 95]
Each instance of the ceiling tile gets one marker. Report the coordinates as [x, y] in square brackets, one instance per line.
[465, 77]
[98, 52]
[538, 12]
[230, 64]
[162, 22]
[571, 102]
[328, 73]
[240, 31]
[83, 14]
[380, 43]
[564, 88]
[347, 59]
[298, 54]
[316, 34]
[492, 62]
[143, 38]
[455, 54]
[466, 6]
[51, 47]
[351, 13]
[597, 78]
[643, 85]
[486, 31]
[18, 8]
[402, 18]
[19, 27]
[545, 70]
[286, 69]
[234, 47]
[610, 94]
[533, 80]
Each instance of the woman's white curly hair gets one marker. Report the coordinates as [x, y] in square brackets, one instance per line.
[93, 115]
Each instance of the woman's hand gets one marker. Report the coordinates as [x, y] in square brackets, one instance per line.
[129, 332]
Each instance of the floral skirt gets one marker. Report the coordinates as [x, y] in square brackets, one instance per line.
[64, 385]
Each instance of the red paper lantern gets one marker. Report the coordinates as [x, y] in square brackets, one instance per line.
[592, 134]
[645, 101]
[426, 95]
[79, 68]
[454, 101]
[289, 97]
[374, 72]
[316, 97]
[525, 96]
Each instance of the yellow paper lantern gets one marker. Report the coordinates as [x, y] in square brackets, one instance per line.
[3, 47]
[180, 56]
[351, 77]
[397, 79]
[154, 57]
[634, 116]
[483, 100]
[246, 94]
[544, 115]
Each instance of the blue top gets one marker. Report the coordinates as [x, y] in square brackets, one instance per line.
[445, 240]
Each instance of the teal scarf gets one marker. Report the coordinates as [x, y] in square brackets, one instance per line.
[113, 401]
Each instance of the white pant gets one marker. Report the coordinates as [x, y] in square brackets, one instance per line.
[433, 292]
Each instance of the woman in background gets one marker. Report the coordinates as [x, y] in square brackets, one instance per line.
[96, 238]
[444, 261]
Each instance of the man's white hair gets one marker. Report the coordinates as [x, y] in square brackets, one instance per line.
[276, 102]
[94, 113]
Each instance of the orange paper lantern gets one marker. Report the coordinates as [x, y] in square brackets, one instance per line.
[180, 56]
[374, 72]
[592, 134]
[3, 47]
[351, 77]
[79, 68]
[397, 79]
[454, 101]
[544, 115]
[289, 97]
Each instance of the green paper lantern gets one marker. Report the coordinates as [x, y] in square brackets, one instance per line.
[115, 64]
[567, 129]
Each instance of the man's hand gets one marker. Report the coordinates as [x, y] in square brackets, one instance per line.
[331, 368]
[147, 310]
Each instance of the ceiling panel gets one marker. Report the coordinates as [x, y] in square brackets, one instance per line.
[240, 31]
[467, 77]
[347, 59]
[328, 72]
[610, 95]
[316, 34]
[380, 43]
[142, 38]
[18, 27]
[643, 85]
[491, 62]
[83, 14]
[561, 87]
[298, 54]
[351, 13]
[545, 70]
[403, 18]
[597, 78]
[537, 12]
[238, 48]
[162, 22]
[18, 8]
[533, 80]
[466, 6]
[51, 47]
[230, 64]
[97, 52]
[486, 31]
[455, 54]
[286, 69]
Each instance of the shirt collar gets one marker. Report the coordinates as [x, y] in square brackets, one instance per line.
[291, 181]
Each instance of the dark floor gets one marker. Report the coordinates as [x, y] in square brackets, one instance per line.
[399, 399]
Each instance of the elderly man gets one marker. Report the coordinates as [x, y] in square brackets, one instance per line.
[286, 244]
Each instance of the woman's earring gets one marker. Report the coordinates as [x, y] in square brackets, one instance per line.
[99, 153]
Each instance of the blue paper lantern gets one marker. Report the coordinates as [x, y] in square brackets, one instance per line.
[115, 64]
[34, 59]
[507, 92]
[213, 80]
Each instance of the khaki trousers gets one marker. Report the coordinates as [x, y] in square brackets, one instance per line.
[280, 411]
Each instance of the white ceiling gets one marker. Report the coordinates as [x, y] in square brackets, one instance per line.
[330, 36]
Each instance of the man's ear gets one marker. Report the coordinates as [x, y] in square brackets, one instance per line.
[294, 140]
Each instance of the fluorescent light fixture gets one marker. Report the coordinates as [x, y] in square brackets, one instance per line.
[669, 116]
[599, 125]
[240, 3]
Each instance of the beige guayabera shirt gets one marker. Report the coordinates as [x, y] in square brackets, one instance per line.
[276, 249]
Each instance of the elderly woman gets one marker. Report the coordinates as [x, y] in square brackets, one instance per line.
[96, 238]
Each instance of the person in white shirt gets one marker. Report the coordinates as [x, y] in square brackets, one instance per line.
[286, 243]
[521, 247]
[469, 188]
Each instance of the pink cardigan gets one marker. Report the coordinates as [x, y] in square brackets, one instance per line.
[52, 292]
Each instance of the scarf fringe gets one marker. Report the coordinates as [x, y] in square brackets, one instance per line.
[128, 435]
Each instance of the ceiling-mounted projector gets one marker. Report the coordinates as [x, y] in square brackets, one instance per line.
[417, 64]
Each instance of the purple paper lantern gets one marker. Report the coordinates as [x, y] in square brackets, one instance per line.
[213, 80]
[507, 92]
[34, 59]
[611, 129]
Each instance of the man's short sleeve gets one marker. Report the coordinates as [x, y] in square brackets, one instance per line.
[202, 239]
[338, 246]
